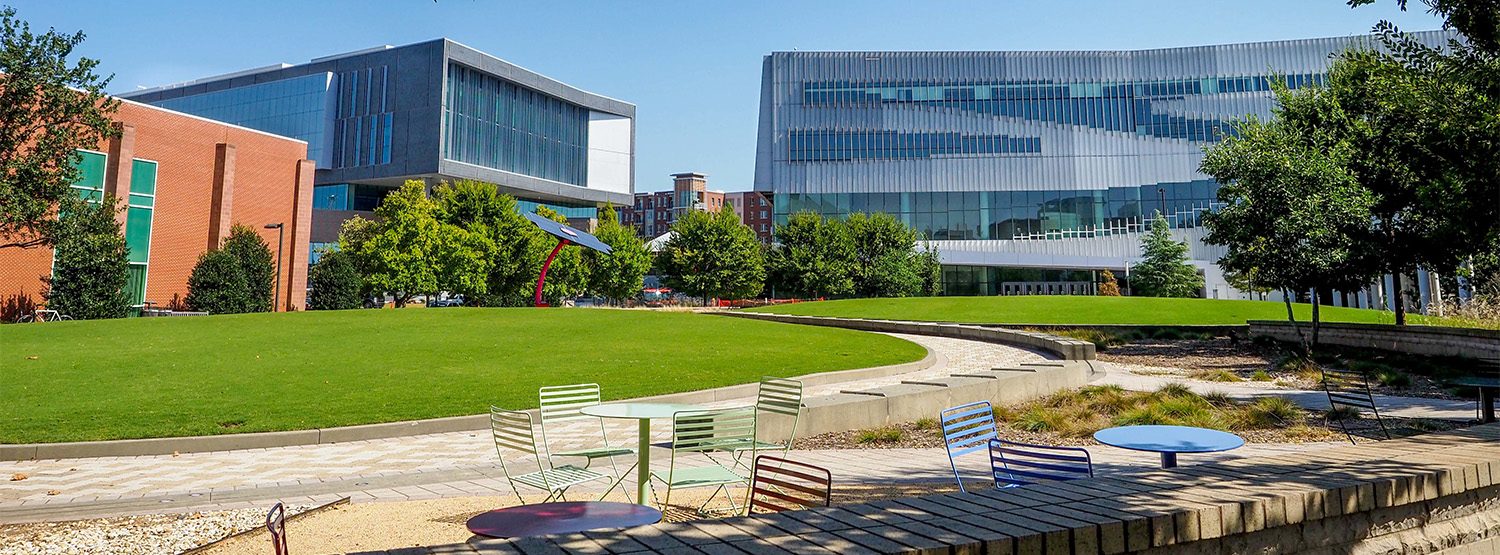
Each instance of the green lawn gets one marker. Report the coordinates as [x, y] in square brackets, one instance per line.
[1074, 310]
[161, 377]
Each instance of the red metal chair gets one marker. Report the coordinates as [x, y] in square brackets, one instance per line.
[779, 484]
[276, 525]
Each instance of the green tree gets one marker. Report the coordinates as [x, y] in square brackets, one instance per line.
[49, 108]
[334, 283]
[713, 255]
[1164, 270]
[413, 253]
[217, 284]
[1109, 286]
[89, 263]
[930, 267]
[513, 263]
[620, 274]
[1294, 217]
[1478, 20]
[886, 260]
[813, 257]
[256, 264]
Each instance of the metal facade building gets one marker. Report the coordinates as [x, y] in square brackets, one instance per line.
[435, 110]
[1031, 171]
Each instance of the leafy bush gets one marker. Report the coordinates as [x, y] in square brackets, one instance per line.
[334, 283]
[1219, 375]
[89, 263]
[1341, 413]
[217, 284]
[1393, 378]
[256, 264]
[1271, 412]
[888, 434]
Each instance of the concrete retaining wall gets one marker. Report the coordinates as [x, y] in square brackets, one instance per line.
[1416, 340]
[1064, 347]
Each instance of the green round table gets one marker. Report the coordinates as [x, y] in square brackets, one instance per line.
[643, 413]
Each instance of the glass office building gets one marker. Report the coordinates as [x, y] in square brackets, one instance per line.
[1031, 171]
[432, 111]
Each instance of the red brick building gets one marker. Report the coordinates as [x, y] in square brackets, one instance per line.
[754, 210]
[654, 213]
[186, 180]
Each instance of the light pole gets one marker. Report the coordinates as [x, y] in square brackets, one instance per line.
[1161, 193]
[276, 303]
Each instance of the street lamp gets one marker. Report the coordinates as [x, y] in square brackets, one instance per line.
[279, 230]
[1161, 192]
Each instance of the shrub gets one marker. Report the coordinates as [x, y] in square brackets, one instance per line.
[1219, 375]
[1393, 378]
[217, 284]
[1302, 368]
[257, 265]
[1102, 340]
[334, 283]
[1005, 413]
[1337, 414]
[1218, 399]
[89, 265]
[1140, 416]
[1184, 408]
[1271, 412]
[888, 434]
[1261, 375]
[1039, 419]
[926, 423]
[1174, 389]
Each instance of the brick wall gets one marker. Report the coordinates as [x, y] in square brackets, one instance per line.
[262, 179]
[1417, 340]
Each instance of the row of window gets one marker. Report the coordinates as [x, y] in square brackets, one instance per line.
[289, 107]
[494, 123]
[363, 128]
[1011, 215]
[139, 210]
[1124, 107]
[989, 280]
[831, 145]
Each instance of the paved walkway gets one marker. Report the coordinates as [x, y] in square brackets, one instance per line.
[1408, 407]
[397, 468]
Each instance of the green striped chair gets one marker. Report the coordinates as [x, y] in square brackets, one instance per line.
[561, 404]
[514, 430]
[705, 432]
[776, 396]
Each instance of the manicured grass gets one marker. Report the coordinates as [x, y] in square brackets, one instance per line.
[161, 377]
[1074, 310]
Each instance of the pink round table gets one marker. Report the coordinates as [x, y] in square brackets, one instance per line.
[561, 518]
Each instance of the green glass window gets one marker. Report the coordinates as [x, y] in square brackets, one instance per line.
[135, 284]
[90, 184]
[142, 177]
[138, 233]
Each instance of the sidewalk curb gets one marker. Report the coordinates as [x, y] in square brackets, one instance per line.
[345, 434]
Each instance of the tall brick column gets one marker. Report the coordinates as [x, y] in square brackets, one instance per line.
[117, 171]
[222, 203]
[295, 260]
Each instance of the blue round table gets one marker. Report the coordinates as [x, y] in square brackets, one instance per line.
[1169, 440]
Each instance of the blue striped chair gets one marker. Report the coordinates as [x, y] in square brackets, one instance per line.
[966, 429]
[1018, 464]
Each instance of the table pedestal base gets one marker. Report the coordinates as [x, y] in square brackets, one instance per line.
[1169, 460]
[643, 464]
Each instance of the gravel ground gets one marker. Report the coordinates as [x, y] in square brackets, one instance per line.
[133, 535]
[1242, 358]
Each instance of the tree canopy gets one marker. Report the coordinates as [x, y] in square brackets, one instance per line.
[49, 108]
[713, 255]
[412, 252]
[89, 269]
[620, 274]
[814, 257]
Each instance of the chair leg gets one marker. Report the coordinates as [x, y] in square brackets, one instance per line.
[618, 483]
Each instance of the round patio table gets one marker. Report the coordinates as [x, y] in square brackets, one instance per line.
[561, 518]
[644, 413]
[1169, 440]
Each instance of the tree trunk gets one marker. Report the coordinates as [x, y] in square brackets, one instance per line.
[1398, 300]
[1286, 295]
[1315, 318]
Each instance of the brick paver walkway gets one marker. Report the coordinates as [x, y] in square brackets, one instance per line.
[435, 465]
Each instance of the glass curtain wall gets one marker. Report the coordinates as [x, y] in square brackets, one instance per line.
[498, 124]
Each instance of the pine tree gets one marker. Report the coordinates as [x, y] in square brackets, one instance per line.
[1164, 270]
[1110, 287]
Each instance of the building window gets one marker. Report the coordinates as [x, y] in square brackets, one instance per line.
[498, 124]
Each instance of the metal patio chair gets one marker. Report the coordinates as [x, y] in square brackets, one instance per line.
[514, 430]
[1351, 389]
[779, 484]
[775, 396]
[706, 432]
[276, 526]
[1018, 464]
[561, 405]
[966, 428]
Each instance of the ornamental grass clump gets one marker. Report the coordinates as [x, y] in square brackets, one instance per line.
[1081, 412]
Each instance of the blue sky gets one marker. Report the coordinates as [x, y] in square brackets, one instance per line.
[692, 68]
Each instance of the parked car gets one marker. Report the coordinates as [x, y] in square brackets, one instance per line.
[456, 300]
